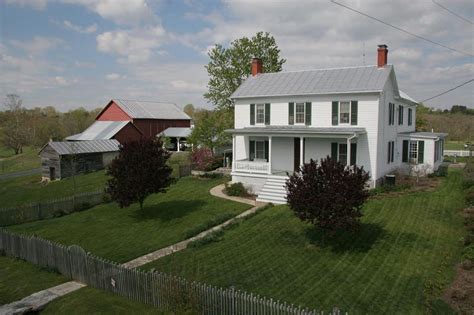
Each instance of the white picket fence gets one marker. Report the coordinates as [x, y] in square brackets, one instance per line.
[166, 292]
[456, 153]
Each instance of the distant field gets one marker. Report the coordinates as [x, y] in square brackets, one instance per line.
[397, 263]
[19, 279]
[454, 145]
[29, 189]
[124, 234]
[28, 160]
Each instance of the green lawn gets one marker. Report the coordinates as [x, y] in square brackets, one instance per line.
[19, 279]
[123, 234]
[92, 301]
[28, 160]
[454, 145]
[397, 263]
[29, 189]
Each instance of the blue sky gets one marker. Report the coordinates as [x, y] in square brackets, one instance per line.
[70, 53]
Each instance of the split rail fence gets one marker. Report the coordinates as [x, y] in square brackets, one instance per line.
[166, 292]
[50, 208]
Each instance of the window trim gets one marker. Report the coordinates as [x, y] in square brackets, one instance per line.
[256, 114]
[296, 114]
[340, 112]
[413, 160]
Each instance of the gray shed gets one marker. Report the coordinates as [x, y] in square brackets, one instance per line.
[58, 159]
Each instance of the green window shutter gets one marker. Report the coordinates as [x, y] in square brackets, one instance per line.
[421, 151]
[308, 114]
[252, 150]
[334, 151]
[354, 109]
[409, 116]
[291, 113]
[353, 153]
[266, 150]
[335, 113]
[252, 114]
[393, 152]
[267, 114]
[405, 151]
[389, 153]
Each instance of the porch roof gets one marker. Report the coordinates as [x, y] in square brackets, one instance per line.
[423, 134]
[292, 130]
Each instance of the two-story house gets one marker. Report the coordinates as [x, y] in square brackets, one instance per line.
[356, 115]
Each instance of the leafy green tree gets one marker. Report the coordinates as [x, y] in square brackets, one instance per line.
[189, 110]
[228, 67]
[138, 171]
[209, 128]
[16, 129]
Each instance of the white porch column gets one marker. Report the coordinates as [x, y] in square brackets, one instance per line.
[177, 143]
[269, 154]
[233, 152]
[348, 163]
[301, 151]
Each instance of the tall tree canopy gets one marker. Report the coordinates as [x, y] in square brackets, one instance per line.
[138, 171]
[228, 67]
[210, 126]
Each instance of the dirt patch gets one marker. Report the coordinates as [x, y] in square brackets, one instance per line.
[460, 295]
[408, 184]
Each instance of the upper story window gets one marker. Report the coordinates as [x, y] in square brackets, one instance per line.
[410, 117]
[344, 112]
[391, 114]
[260, 119]
[299, 113]
[400, 114]
[260, 114]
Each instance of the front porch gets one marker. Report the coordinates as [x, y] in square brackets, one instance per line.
[282, 153]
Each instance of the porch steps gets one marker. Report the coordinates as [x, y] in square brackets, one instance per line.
[273, 191]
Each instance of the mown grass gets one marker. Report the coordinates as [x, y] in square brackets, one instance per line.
[398, 262]
[92, 301]
[19, 279]
[454, 145]
[123, 234]
[28, 189]
[9, 162]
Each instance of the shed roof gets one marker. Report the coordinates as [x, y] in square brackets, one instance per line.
[150, 109]
[83, 147]
[100, 130]
[176, 132]
[313, 82]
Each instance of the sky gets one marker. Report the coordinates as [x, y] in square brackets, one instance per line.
[71, 53]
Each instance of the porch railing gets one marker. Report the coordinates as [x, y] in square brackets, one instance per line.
[251, 166]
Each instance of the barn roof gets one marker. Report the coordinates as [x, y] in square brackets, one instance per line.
[100, 130]
[150, 109]
[82, 147]
[313, 82]
[176, 132]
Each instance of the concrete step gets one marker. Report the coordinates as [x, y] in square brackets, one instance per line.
[275, 186]
[278, 194]
[272, 200]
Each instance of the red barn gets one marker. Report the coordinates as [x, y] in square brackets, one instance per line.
[127, 120]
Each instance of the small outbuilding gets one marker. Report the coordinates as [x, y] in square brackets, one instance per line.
[63, 159]
[178, 137]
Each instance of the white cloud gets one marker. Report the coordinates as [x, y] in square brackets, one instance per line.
[114, 76]
[37, 45]
[36, 4]
[61, 81]
[133, 46]
[80, 29]
[181, 85]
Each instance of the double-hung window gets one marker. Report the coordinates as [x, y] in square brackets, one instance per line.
[344, 112]
[260, 150]
[299, 113]
[413, 152]
[260, 117]
[342, 154]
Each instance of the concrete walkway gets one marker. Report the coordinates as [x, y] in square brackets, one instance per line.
[37, 301]
[217, 191]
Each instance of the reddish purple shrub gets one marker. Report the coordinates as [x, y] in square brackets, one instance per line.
[203, 159]
[329, 194]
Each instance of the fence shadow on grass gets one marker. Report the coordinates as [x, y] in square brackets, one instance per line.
[360, 240]
[167, 210]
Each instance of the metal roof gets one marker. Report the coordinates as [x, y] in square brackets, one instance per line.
[406, 96]
[82, 147]
[100, 130]
[151, 110]
[312, 82]
[423, 134]
[176, 132]
[298, 130]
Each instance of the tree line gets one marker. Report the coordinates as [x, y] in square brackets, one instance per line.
[20, 126]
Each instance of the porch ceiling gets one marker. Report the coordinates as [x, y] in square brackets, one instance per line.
[298, 130]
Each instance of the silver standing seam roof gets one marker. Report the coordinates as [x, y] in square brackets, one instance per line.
[100, 130]
[82, 147]
[312, 82]
[151, 110]
[423, 134]
[176, 132]
[298, 130]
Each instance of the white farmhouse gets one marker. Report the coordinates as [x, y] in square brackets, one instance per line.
[355, 115]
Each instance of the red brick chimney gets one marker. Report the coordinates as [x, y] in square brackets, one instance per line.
[257, 66]
[382, 56]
